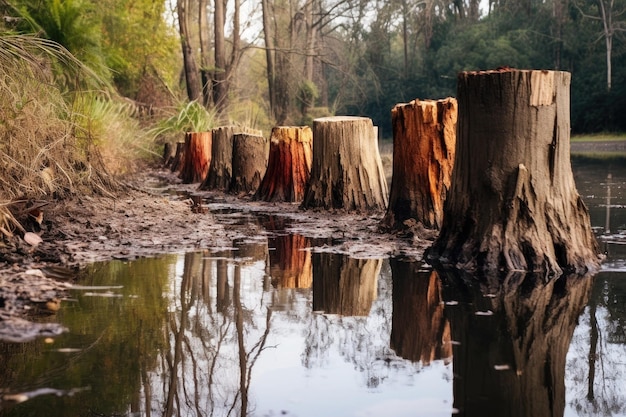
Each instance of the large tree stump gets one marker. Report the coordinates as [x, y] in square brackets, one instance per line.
[221, 168]
[513, 204]
[347, 172]
[197, 157]
[249, 162]
[289, 164]
[424, 137]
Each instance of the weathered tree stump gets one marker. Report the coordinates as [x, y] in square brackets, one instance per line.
[169, 153]
[345, 286]
[513, 204]
[512, 338]
[289, 165]
[424, 137]
[347, 171]
[250, 155]
[179, 157]
[221, 168]
[419, 330]
[197, 157]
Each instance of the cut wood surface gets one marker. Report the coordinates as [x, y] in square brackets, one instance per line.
[289, 164]
[347, 171]
[513, 203]
[250, 153]
[221, 168]
[424, 138]
[197, 157]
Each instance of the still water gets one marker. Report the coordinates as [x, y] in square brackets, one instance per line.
[269, 328]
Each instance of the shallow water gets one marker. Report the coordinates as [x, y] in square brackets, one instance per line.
[269, 328]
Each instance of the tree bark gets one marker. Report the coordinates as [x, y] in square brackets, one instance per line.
[179, 157]
[192, 79]
[424, 138]
[419, 330]
[197, 157]
[250, 155]
[289, 165]
[513, 204]
[169, 153]
[221, 168]
[347, 171]
[343, 285]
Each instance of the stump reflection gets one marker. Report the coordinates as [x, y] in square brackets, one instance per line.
[419, 329]
[511, 340]
[343, 285]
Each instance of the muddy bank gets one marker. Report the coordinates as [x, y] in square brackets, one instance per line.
[157, 214]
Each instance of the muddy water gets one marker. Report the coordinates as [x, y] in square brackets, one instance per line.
[267, 327]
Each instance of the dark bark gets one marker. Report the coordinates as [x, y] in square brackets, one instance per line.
[513, 203]
[250, 153]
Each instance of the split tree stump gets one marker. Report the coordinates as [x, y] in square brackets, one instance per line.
[424, 138]
[513, 204]
[221, 168]
[347, 172]
[197, 157]
[289, 164]
[249, 163]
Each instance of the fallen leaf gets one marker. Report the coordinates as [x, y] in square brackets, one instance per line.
[33, 239]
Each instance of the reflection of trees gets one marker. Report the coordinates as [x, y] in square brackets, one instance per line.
[596, 366]
[343, 285]
[512, 339]
[419, 331]
[290, 268]
[212, 352]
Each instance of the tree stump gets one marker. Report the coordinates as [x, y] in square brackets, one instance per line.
[169, 153]
[179, 157]
[289, 165]
[419, 330]
[249, 163]
[424, 137]
[347, 171]
[197, 157]
[513, 204]
[221, 168]
[345, 286]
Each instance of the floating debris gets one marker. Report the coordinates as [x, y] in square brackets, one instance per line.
[504, 367]
[484, 313]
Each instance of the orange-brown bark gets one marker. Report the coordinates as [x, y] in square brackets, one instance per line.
[197, 157]
[289, 165]
[424, 138]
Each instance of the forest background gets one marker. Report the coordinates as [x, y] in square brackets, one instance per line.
[112, 79]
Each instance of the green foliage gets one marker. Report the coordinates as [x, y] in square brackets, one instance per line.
[189, 117]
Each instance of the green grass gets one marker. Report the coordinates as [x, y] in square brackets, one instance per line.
[599, 137]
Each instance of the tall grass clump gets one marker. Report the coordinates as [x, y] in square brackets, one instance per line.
[186, 117]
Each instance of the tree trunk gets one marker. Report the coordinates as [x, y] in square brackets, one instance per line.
[343, 285]
[347, 172]
[179, 157]
[250, 155]
[197, 157]
[419, 331]
[512, 335]
[289, 165]
[424, 137]
[513, 204]
[192, 79]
